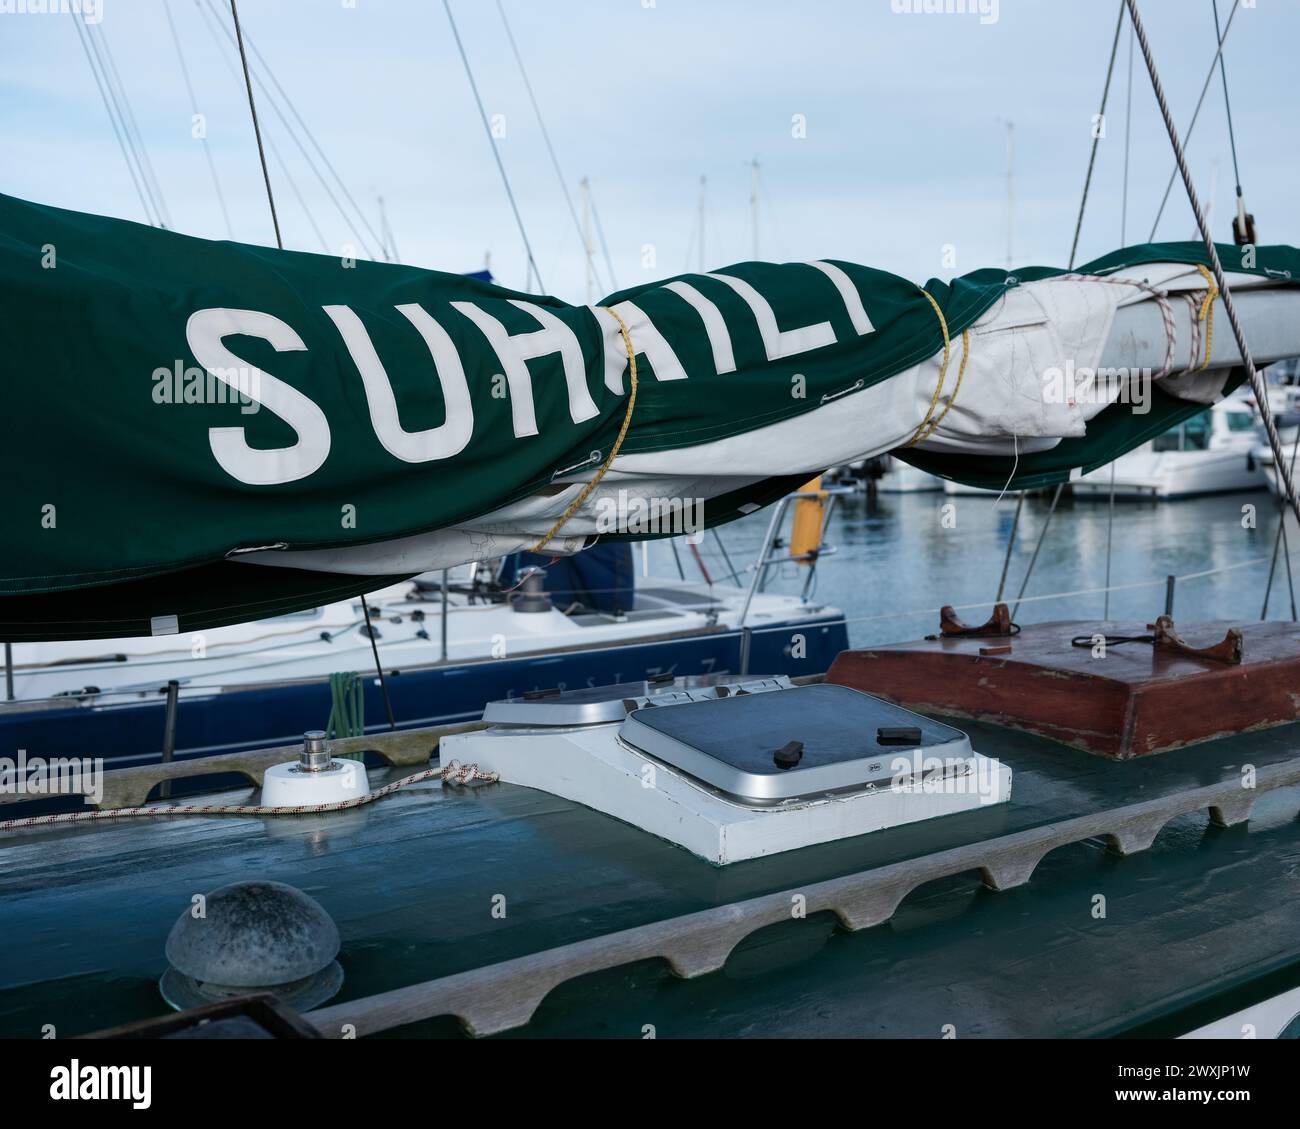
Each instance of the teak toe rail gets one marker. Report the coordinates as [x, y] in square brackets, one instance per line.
[500, 996]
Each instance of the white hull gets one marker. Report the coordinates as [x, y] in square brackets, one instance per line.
[1209, 454]
[1174, 474]
[409, 626]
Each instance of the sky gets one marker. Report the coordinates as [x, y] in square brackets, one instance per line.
[881, 135]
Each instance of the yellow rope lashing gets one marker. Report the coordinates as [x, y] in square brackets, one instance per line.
[618, 442]
[961, 372]
[924, 429]
[1207, 312]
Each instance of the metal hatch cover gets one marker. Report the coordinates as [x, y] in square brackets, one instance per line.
[830, 736]
[596, 705]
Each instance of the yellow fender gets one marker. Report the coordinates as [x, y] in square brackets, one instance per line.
[809, 516]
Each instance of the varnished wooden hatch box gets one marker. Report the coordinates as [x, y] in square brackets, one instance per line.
[1157, 690]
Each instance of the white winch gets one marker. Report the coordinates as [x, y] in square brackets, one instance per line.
[314, 778]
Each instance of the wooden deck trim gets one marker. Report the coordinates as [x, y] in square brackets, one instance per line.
[505, 995]
[130, 787]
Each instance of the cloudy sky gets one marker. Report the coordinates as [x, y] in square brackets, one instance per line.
[904, 145]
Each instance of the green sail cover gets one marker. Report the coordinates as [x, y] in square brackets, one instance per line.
[386, 404]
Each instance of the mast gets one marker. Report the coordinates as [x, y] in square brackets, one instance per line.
[1213, 196]
[387, 244]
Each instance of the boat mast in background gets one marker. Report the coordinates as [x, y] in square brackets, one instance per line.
[387, 243]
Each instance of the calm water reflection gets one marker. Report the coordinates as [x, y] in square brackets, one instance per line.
[896, 562]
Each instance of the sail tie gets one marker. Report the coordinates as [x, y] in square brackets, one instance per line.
[961, 372]
[926, 427]
[1207, 312]
[577, 502]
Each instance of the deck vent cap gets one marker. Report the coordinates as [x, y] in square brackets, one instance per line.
[255, 936]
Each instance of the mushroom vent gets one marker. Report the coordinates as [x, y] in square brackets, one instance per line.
[251, 937]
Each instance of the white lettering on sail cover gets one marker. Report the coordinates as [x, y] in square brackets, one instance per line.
[206, 332]
[207, 329]
[648, 340]
[724, 360]
[778, 343]
[515, 349]
[850, 296]
[613, 347]
[442, 442]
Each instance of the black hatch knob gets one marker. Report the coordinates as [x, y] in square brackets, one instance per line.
[898, 735]
[788, 755]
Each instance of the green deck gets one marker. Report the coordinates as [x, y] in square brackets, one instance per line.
[1207, 914]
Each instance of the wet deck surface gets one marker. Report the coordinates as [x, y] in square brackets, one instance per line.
[411, 880]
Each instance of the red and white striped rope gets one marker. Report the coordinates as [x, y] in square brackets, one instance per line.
[453, 773]
[1162, 301]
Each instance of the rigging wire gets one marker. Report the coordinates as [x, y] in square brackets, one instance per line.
[1196, 113]
[133, 130]
[386, 234]
[93, 43]
[1011, 541]
[112, 119]
[267, 92]
[1123, 241]
[1033, 560]
[1285, 479]
[194, 109]
[274, 149]
[1280, 540]
[1283, 542]
[1128, 137]
[270, 199]
[297, 192]
[1227, 103]
[496, 151]
[260, 59]
[1110, 530]
[546, 136]
[1096, 136]
[257, 129]
[604, 247]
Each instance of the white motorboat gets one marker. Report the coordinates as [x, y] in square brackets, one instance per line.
[1212, 453]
